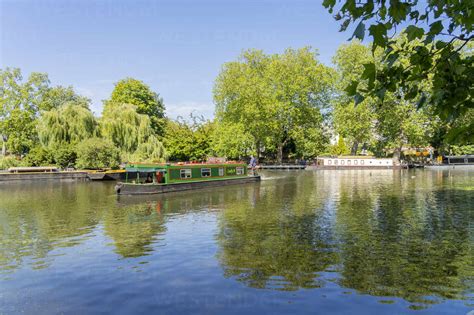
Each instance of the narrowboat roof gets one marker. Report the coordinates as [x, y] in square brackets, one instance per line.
[349, 157]
[150, 167]
[144, 169]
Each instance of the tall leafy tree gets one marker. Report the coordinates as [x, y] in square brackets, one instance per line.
[302, 88]
[188, 139]
[129, 131]
[276, 97]
[437, 33]
[400, 123]
[152, 151]
[147, 102]
[19, 105]
[70, 123]
[232, 141]
[353, 123]
[243, 95]
[391, 122]
[56, 96]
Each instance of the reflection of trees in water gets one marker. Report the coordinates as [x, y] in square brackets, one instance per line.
[405, 240]
[278, 238]
[36, 218]
[134, 228]
[386, 233]
[137, 222]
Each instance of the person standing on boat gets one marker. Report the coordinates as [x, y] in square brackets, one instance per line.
[253, 164]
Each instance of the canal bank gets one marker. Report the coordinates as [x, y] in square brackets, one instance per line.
[76, 175]
[60, 175]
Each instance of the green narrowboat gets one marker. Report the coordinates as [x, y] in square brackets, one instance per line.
[161, 178]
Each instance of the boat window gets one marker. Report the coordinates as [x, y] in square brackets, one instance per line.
[185, 173]
[221, 171]
[362, 162]
[342, 162]
[329, 162]
[348, 162]
[205, 172]
[239, 170]
[335, 162]
[355, 162]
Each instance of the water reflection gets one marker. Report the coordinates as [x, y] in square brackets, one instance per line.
[383, 233]
[389, 234]
[405, 241]
[134, 228]
[33, 222]
[281, 249]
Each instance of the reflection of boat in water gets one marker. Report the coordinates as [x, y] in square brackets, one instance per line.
[160, 178]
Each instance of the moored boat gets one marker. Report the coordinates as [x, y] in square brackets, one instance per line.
[354, 163]
[460, 162]
[161, 178]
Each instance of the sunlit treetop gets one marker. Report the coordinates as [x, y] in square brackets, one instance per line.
[438, 35]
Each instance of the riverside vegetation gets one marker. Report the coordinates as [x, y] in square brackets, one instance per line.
[274, 106]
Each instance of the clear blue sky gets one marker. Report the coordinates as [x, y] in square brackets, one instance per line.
[176, 47]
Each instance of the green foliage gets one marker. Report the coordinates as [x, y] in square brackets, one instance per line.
[19, 101]
[462, 150]
[353, 123]
[131, 132]
[65, 155]
[10, 161]
[274, 96]
[124, 126]
[23, 101]
[55, 97]
[461, 130]
[390, 122]
[188, 140]
[340, 148]
[97, 153]
[151, 151]
[242, 96]
[439, 51]
[19, 131]
[399, 123]
[147, 102]
[232, 141]
[69, 123]
[39, 156]
[310, 141]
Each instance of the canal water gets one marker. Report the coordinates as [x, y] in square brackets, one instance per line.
[345, 242]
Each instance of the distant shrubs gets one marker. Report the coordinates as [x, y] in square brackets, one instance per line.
[339, 148]
[9, 161]
[97, 153]
[93, 153]
[461, 150]
[65, 156]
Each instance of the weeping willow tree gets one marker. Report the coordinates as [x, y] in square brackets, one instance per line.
[68, 124]
[150, 151]
[131, 132]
